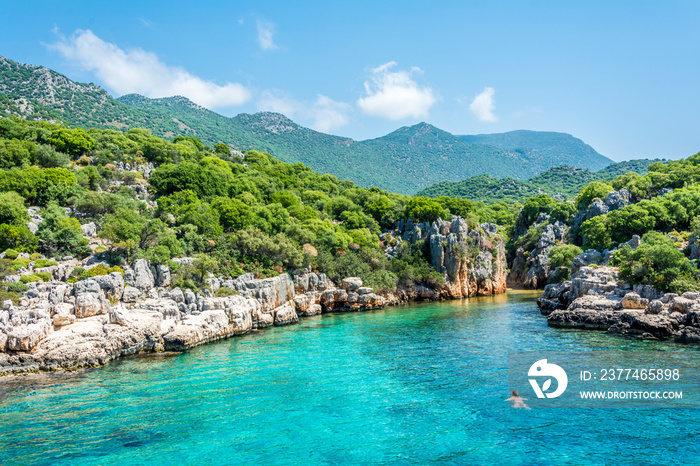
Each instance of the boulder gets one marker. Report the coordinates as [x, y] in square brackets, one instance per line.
[285, 315]
[162, 275]
[112, 285]
[351, 283]
[682, 305]
[88, 304]
[89, 230]
[117, 315]
[654, 307]
[634, 301]
[131, 294]
[586, 258]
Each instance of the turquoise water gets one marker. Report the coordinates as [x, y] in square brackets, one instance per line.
[407, 385]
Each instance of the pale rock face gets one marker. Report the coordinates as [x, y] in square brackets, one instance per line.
[117, 315]
[143, 278]
[64, 314]
[162, 276]
[112, 285]
[271, 292]
[351, 283]
[285, 315]
[131, 294]
[89, 230]
[87, 305]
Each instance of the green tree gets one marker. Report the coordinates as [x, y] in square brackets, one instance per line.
[233, 214]
[59, 234]
[19, 238]
[12, 209]
[656, 262]
[222, 149]
[423, 209]
[15, 153]
[561, 259]
[595, 190]
[72, 141]
[596, 233]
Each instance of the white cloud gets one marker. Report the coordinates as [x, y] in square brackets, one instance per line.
[394, 95]
[266, 32]
[324, 114]
[483, 106]
[280, 102]
[141, 72]
[328, 114]
[146, 22]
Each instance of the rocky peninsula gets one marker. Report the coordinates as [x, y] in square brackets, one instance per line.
[59, 325]
[594, 299]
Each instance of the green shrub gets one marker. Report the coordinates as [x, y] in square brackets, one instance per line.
[11, 254]
[18, 288]
[19, 238]
[561, 259]
[45, 276]
[656, 262]
[225, 291]
[19, 263]
[30, 278]
[101, 269]
[35, 256]
[41, 263]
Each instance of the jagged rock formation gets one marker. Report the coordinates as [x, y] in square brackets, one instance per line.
[472, 261]
[532, 269]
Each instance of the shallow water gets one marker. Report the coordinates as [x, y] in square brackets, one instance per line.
[405, 385]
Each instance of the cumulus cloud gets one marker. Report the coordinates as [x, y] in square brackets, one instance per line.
[280, 102]
[324, 114]
[395, 95]
[266, 32]
[328, 114]
[141, 72]
[482, 106]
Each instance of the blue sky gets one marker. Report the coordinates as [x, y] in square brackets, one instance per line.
[622, 76]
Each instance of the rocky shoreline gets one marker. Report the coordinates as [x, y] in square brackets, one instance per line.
[60, 325]
[594, 299]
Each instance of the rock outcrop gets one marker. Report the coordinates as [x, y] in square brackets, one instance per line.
[595, 300]
[531, 268]
[472, 261]
[67, 326]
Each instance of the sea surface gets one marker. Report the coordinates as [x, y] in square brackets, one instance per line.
[416, 384]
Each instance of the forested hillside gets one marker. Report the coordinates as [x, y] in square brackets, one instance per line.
[158, 200]
[563, 182]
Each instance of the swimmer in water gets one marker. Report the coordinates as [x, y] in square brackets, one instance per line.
[518, 402]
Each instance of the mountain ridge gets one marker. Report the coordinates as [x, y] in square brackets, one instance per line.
[410, 158]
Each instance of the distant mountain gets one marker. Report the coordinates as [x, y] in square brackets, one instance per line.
[546, 145]
[404, 161]
[564, 182]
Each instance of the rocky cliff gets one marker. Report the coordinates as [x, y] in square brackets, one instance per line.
[471, 261]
